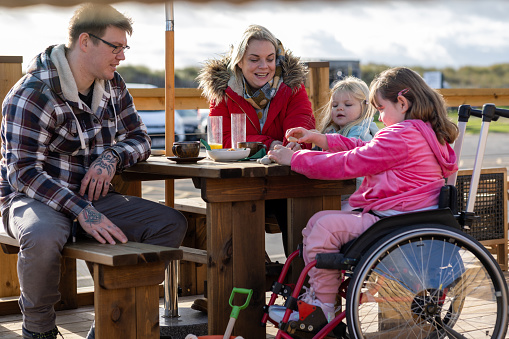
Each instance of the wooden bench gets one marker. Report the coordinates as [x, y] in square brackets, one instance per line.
[193, 273]
[126, 283]
[197, 208]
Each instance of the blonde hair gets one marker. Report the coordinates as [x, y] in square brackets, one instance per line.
[94, 19]
[425, 103]
[252, 32]
[359, 91]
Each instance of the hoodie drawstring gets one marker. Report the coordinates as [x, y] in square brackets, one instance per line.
[78, 126]
[114, 110]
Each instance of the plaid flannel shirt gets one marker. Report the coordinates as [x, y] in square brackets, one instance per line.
[41, 150]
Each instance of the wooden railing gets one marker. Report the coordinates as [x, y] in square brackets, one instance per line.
[190, 98]
[455, 97]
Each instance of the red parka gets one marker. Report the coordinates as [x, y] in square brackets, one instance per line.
[290, 107]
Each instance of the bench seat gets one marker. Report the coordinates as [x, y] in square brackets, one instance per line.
[126, 283]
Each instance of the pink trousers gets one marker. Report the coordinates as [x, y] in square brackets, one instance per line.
[326, 232]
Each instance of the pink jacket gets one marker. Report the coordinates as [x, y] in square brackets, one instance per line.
[404, 166]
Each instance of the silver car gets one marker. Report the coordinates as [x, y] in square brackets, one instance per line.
[155, 122]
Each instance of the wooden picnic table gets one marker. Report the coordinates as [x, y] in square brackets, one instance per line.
[235, 193]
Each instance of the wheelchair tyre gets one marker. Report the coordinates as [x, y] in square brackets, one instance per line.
[427, 281]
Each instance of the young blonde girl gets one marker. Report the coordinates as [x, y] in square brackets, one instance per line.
[348, 111]
[404, 167]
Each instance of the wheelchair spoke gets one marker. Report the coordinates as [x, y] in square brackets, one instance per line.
[428, 284]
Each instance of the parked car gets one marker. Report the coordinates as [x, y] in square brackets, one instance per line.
[155, 122]
[191, 122]
[203, 115]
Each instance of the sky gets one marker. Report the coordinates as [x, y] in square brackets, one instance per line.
[433, 33]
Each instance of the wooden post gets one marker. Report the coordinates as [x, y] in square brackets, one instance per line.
[317, 84]
[169, 102]
[10, 73]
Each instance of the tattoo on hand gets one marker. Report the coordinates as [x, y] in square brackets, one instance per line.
[92, 216]
[107, 162]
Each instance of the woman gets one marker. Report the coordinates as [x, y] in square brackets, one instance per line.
[258, 78]
[265, 82]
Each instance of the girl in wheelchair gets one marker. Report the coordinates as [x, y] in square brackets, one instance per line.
[404, 165]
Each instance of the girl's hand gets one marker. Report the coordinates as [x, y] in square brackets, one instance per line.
[281, 155]
[299, 135]
[307, 136]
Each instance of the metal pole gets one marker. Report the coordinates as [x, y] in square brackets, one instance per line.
[171, 308]
[172, 270]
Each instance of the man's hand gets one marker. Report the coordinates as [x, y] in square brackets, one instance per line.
[100, 227]
[99, 175]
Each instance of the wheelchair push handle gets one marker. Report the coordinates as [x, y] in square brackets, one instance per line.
[489, 113]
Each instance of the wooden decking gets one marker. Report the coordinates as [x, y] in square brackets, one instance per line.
[74, 324]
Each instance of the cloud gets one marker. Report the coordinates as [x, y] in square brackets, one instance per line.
[427, 33]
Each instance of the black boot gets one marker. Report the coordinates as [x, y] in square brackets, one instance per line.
[46, 335]
[91, 333]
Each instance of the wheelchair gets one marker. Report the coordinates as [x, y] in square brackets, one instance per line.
[414, 275]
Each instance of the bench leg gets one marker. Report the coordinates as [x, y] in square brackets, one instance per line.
[126, 300]
[171, 309]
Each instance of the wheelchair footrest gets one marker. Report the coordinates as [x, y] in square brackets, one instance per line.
[308, 324]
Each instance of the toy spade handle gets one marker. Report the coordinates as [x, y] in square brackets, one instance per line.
[229, 329]
[236, 309]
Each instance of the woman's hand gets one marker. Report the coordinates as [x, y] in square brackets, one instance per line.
[281, 155]
[294, 146]
[274, 143]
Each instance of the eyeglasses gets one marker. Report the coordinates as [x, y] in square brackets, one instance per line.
[116, 49]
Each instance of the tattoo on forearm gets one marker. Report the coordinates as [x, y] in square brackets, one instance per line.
[107, 162]
[92, 216]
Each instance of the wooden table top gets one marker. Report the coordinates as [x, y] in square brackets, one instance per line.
[207, 168]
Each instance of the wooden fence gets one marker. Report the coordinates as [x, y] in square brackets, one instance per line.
[190, 98]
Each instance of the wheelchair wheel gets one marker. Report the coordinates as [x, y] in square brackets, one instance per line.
[427, 281]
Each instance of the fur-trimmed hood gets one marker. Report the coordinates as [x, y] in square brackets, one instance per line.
[215, 77]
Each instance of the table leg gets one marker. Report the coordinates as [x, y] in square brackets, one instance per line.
[236, 227]
[300, 210]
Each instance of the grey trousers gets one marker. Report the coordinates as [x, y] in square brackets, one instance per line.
[42, 233]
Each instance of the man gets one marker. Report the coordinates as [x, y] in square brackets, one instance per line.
[68, 125]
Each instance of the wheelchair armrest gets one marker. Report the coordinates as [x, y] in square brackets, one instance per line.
[448, 198]
[334, 261]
